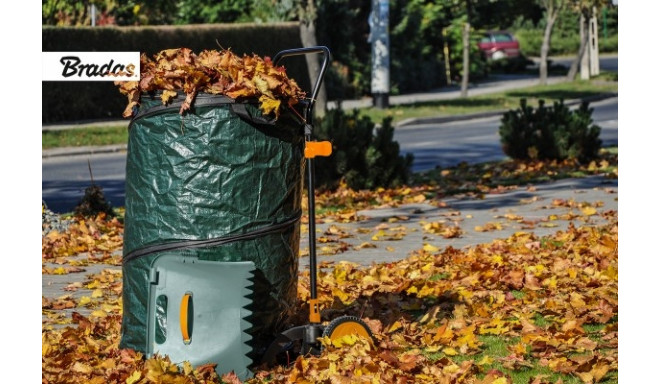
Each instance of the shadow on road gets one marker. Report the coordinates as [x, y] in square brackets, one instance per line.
[63, 196]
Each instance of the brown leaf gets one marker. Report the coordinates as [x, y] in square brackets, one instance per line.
[230, 378]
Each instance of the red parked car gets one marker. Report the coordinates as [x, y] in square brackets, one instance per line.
[498, 45]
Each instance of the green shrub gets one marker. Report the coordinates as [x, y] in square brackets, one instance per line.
[364, 160]
[550, 132]
[565, 35]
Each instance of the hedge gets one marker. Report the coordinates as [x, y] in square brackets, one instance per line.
[75, 101]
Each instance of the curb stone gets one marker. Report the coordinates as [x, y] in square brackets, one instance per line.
[89, 150]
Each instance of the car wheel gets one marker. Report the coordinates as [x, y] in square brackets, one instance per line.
[498, 55]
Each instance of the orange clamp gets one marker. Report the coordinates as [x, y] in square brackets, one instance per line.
[317, 148]
[314, 312]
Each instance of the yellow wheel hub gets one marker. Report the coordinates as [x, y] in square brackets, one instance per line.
[348, 325]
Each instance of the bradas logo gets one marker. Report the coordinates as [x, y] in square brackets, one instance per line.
[74, 67]
[91, 66]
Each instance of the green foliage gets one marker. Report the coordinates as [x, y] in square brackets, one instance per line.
[565, 35]
[109, 12]
[270, 11]
[364, 160]
[350, 74]
[64, 12]
[212, 11]
[417, 61]
[550, 132]
[478, 65]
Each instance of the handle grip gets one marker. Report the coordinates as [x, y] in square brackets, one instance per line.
[324, 66]
[185, 317]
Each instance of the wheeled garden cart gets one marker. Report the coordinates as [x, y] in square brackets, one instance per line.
[212, 230]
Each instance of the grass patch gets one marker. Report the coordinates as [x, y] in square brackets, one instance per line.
[476, 104]
[495, 348]
[440, 276]
[80, 137]
[492, 102]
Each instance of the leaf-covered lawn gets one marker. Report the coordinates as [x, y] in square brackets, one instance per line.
[520, 310]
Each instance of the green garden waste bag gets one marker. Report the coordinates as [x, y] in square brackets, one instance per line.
[219, 183]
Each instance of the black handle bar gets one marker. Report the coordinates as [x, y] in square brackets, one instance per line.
[324, 66]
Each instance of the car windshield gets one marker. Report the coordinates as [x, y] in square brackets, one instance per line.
[502, 37]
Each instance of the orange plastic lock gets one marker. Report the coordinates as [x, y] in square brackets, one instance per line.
[317, 148]
[314, 312]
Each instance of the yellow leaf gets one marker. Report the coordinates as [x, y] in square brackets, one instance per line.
[81, 368]
[134, 377]
[588, 211]
[366, 244]
[586, 377]
[339, 275]
[97, 293]
[84, 300]
[378, 235]
[419, 198]
[167, 96]
[600, 370]
[59, 271]
[449, 369]
[187, 367]
[349, 340]
[501, 380]
[486, 360]
[270, 105]
[426, 291]
[450, 351]
[99, 313]
[45, 348]
[430, 248]
[343, 296]
[396, 326]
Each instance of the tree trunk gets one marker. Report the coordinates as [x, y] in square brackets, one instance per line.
[584, 35]
[466, 60]
[572, 72]
[308, 38]
[545, 48]
[594, 64]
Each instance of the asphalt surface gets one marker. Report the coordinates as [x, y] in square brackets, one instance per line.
[395, 232]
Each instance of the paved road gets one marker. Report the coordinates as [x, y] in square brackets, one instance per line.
[65, 178]
[438, 144]
[607, 62]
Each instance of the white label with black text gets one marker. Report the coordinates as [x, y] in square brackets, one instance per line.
[90, 66]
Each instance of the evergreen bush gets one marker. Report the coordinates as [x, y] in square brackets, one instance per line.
[364, 159]
[550, 133]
